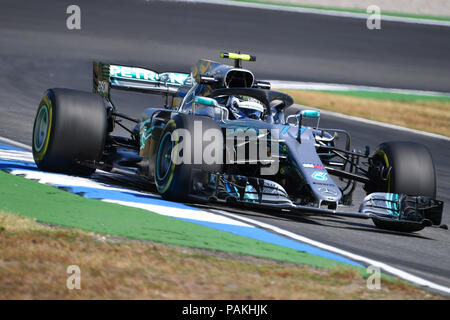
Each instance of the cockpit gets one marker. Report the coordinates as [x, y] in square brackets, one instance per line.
[237, 103]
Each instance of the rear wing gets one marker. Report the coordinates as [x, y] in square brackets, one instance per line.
[107, 76]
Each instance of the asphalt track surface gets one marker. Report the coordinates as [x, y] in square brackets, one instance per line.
[37, 51]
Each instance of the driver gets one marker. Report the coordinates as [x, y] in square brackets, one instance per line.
[242, 107]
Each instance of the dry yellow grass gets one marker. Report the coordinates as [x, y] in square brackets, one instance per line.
[430, 116]
[34, 260]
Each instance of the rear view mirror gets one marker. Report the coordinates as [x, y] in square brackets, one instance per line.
[310, 114]
[300, 116]
[306, 113]
[205, 101]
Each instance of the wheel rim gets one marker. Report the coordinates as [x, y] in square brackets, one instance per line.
[41, 128]
[164, 157]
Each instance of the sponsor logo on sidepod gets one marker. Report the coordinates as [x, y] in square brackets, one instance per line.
[320, 175]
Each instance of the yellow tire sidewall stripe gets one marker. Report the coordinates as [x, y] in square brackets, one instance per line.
[175, 154]
[46, 102]
[386, 161]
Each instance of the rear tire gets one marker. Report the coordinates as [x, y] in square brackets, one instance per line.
[70, 126]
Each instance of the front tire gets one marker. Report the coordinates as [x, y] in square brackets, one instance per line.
[411, 172]
[70, 127]
[177, 181]
[412, 168]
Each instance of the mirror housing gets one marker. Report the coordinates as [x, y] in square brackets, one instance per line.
[205, 101]
[211, 102]
[309, 113]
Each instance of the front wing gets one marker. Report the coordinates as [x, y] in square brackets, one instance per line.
[387, 210]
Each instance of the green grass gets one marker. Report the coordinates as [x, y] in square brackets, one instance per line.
[425, 113]
[390, 95]
[386, 13]
[114, 268]
[50, 205]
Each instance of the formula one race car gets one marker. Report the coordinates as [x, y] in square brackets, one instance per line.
[222, 136]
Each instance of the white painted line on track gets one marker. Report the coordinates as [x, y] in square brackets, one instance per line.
[15, 143]
[17, 155]
[305, 85]
[324, 12]
[299, 85]
[369, 262]
[56, 179]
[385, 125]
[379, 124]
[182, 213]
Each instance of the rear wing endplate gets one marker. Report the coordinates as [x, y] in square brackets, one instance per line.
[107, 76]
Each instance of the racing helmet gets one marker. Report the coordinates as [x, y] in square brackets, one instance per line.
[243, 107]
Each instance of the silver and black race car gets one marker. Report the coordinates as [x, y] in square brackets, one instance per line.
[222, 136]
